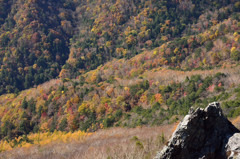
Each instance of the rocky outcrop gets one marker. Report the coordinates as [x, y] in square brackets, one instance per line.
[203, 134]
[233, 147]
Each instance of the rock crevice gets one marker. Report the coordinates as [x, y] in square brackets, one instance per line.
[203, 134]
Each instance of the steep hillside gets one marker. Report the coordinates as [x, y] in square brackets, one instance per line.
[34, 42]
[81, 66]
[85, 104]
[38, 40]
[126, 28]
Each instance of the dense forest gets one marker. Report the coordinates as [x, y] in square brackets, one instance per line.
[72, 65]
[40, 40]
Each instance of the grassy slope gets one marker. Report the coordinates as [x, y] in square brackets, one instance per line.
[115, 142]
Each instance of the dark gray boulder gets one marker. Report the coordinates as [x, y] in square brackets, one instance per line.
[203, 134]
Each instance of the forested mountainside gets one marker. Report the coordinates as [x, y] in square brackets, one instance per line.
[88, 65]
[41, 39]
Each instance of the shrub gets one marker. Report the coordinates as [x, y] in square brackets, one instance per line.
[63, 124]
[24, 103]
[235, 55]
[109, 121]
[209, 45]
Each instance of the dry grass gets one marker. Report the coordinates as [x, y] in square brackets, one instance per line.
[44, 139]
[114, 143]
[236, 122]
[166, 76]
